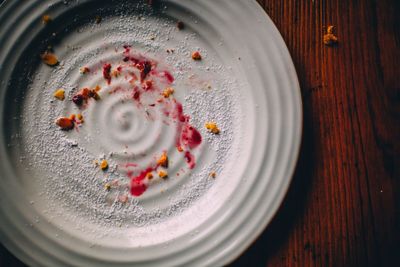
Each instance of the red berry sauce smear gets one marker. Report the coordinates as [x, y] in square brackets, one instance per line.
[146, 81]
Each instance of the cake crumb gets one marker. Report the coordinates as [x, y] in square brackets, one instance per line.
[163, 160]
[212, 127]
[180, 25]
[59, 94]
[107, 186]
[49, 58]
[84, 70]
[104, 165]
[46, 19]
[196, 55]
[98, 19]
[65, 123]
[168, 91]
[329, 38]
[84, 94]
[163, 174]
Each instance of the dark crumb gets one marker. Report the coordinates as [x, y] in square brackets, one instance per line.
[77, 99]
[98, 19]
[180, 25]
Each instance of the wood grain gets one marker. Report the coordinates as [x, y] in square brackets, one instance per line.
[343, 207]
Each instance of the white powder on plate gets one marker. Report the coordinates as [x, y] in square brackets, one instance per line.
[61, 163]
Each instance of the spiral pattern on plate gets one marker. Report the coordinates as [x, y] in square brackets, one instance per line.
[116, 123]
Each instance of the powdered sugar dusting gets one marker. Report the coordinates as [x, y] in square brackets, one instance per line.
[64, 177]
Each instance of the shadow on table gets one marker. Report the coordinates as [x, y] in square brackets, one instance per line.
[9, 260]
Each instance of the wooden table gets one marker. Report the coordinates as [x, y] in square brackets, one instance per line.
[343, 207]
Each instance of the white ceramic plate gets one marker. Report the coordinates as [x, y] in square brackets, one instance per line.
[54, 208]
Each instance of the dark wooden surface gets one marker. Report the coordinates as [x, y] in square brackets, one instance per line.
[343, 207]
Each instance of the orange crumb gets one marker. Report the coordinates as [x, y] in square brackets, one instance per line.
[84, 70]
[163, 174]
[329, 38]
[65, 123]
[213, 174]
[330, 29]
[212, 127]
[49, 58]
[179, 148]
[59, 94]
[196, 55]
[168, 91]
[46, 19]
[163, 160]
[104, 165]
[97, 88]
[149, 175]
